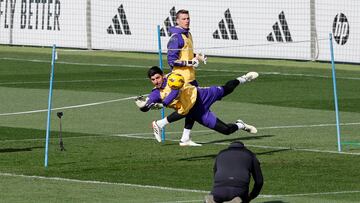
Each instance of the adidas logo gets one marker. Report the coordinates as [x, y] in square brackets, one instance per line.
[282, 33]
[226, 32]
[168, 22]
[117, 25]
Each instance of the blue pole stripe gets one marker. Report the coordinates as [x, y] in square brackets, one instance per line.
[49, 105]
[161, 66]
[335, 93]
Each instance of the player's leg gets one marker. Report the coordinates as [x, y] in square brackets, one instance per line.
[169, 119]
[228, 194]
[230, 128]
[210, 120]
[224, 128]
[158, 125]
[189, 123]
[185, 138]
[232, 84]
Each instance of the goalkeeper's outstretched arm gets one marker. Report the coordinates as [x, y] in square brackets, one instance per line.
[143, 103]
[154, 102]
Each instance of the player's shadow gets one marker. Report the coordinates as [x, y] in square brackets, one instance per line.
[198, 158]
[238, 138]
[272, 152]
[212, 156]
[226, 140]
[26, 149]
[275, 201]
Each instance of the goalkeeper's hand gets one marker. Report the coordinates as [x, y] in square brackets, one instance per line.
[201, 57]
[194, 62]
[141, 101]
[157, 106]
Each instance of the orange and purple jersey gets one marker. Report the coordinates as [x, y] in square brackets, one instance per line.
[180, 50]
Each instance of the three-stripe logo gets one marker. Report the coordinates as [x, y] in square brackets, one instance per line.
[116, 25]
[168, 22]
[226, 32]
[282, 33]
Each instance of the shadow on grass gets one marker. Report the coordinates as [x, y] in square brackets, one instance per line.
[213, 156]
[272, 152]
[275, 201]
[197, 158]
[238, 138]
[223, 140]
[26, 149]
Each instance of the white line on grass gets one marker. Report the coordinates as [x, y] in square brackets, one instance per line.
[206, 70]
[165, 188]
[98, 80]
[133, 97]
[68, 107]
[103, 183]
[131, 135]
[260, 128]
[71, 81]
[183, 201]
[138, 136]
[279, 73]
[306, 126]
[255, 146]
[311, 194]
[281, 196]
[75, 63]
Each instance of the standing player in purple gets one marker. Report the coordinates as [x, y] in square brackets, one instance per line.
[181, 57]
[183, 60]
[192, 102]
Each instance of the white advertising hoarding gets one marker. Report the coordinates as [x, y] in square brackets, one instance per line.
[255, 29]
[124, 25]
[264, 29]
[43, 23]
[343, 21]
[247, 26]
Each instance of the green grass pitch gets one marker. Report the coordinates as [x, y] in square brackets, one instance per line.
[111, 155]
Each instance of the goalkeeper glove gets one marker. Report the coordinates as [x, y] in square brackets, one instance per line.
[194, 62]
[141, 101]
[201, 57]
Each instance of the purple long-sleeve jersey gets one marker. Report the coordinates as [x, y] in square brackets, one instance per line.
[200, 112]
[155, 97]
[174, 45]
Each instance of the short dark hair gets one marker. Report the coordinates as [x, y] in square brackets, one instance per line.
[154, 70]
[182, 11]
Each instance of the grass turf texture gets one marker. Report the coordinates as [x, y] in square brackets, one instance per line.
[287, 93]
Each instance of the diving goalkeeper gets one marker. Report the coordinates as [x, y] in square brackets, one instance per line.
[191, 102]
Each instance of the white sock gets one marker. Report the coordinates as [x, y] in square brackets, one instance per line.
[240, 125]
[241, 79]
[186, 135]
[162, 123]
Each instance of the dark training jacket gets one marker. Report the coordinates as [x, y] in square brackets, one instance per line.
[234, 167]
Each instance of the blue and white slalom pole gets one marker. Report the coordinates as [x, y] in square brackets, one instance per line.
[335, 94]
[54, 57]
[161, 67]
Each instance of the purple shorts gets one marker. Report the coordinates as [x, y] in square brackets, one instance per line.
[201, 110]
